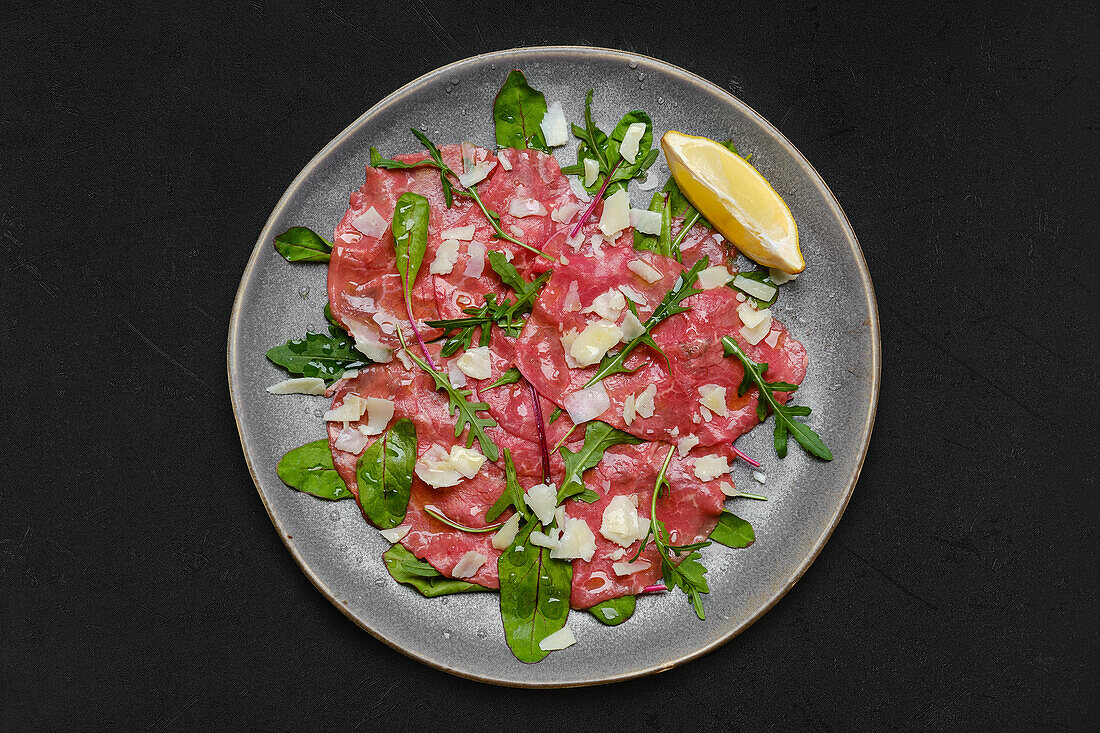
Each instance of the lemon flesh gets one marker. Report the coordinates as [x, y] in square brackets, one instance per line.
[735, 199]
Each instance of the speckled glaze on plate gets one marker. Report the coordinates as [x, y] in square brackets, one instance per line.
[831, 308]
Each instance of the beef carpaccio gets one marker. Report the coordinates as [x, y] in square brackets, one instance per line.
[685, 396]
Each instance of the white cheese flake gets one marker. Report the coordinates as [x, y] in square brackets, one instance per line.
[629, 413]
[645, 221]
[773, 338]
[507, 533]
[466, 461]
[475, 363]
[629, 146]
[707, 416]
[707, 468]
[591, 171]
[458, 378]
[644, 403]
[607, 305]
[628, 568]
[617, 554]
[477, 174]
[728, 490]
[367, 341]
[350, 440]
[714, 277]
[299, 385]
[379, 413]
[616, 214]
[632, 328]
[555, 128]
[572, 302]
[440, 469]
[465, 233]
[759, 477]
[757, 323]
[577, 542]
[594, 341]
[685, 444]
[397, 533]
[350, 410]
[713, 398]
[475, 266]
[522, 207]
[371, 223]
[504, 160]
[587, 404]
[621, 522]
[541, 539]
[470, 563]
[564, 213]
[560, 639]
[756, 289]
[542, 499]
[634, 295]
[578, 190]
[644, 270]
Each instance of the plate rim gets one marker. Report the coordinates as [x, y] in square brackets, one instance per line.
[875, 372]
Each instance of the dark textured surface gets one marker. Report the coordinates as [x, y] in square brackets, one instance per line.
[142, 584]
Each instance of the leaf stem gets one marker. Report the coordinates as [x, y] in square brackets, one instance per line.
[542, 435]
[595, 199]
[433, 511]
[416, 332]
[745, 458]
[688, 224]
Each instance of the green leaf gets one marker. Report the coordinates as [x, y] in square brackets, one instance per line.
[299, 244]
[659, 243]
[643, 160]
[444, 169]
[318, 355]
[615, 363]
[460, 405]
[517, 111]
[334, 326]
[534, 594]
[509, 377]
[309, 469]
[408, 570]
[385, 472]
[598, 437]
[785, 415]
[733, 531]
[604, 150]
[512, 496]
[614, 611]
[410, 238]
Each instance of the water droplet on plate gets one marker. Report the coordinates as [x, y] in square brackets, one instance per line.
[317, 413]
[455, 80]
[446, 633]
[423, 128]
[482, 633]
[633, 64]
[304, 291]
[448, 89]
[380, 582]
[641, 76]
[661, 100]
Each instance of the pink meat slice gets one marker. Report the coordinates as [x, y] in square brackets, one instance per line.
[466, 503]
[689, 508]
[691, 342]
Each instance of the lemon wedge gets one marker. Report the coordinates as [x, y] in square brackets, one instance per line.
[735, 198]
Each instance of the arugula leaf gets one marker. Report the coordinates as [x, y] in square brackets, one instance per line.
[459, 332]
[615, 363]
[534, 594]
[385, 472]
[614, 611]
[517, 111]
[688, 574]
[461, 407]
[598, 437]
[308, 468]
[408, 570]
[512, 496]
[410, 238]
[733, 531]
[785, 415]
[318, 355]
[509, 377]
[301, 244]
[604, 149]
[433, 511]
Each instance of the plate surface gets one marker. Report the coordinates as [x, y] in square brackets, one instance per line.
[831, 308]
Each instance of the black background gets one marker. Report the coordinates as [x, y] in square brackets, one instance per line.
[144, 144]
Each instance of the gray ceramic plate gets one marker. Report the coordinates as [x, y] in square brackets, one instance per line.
[831, 308]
